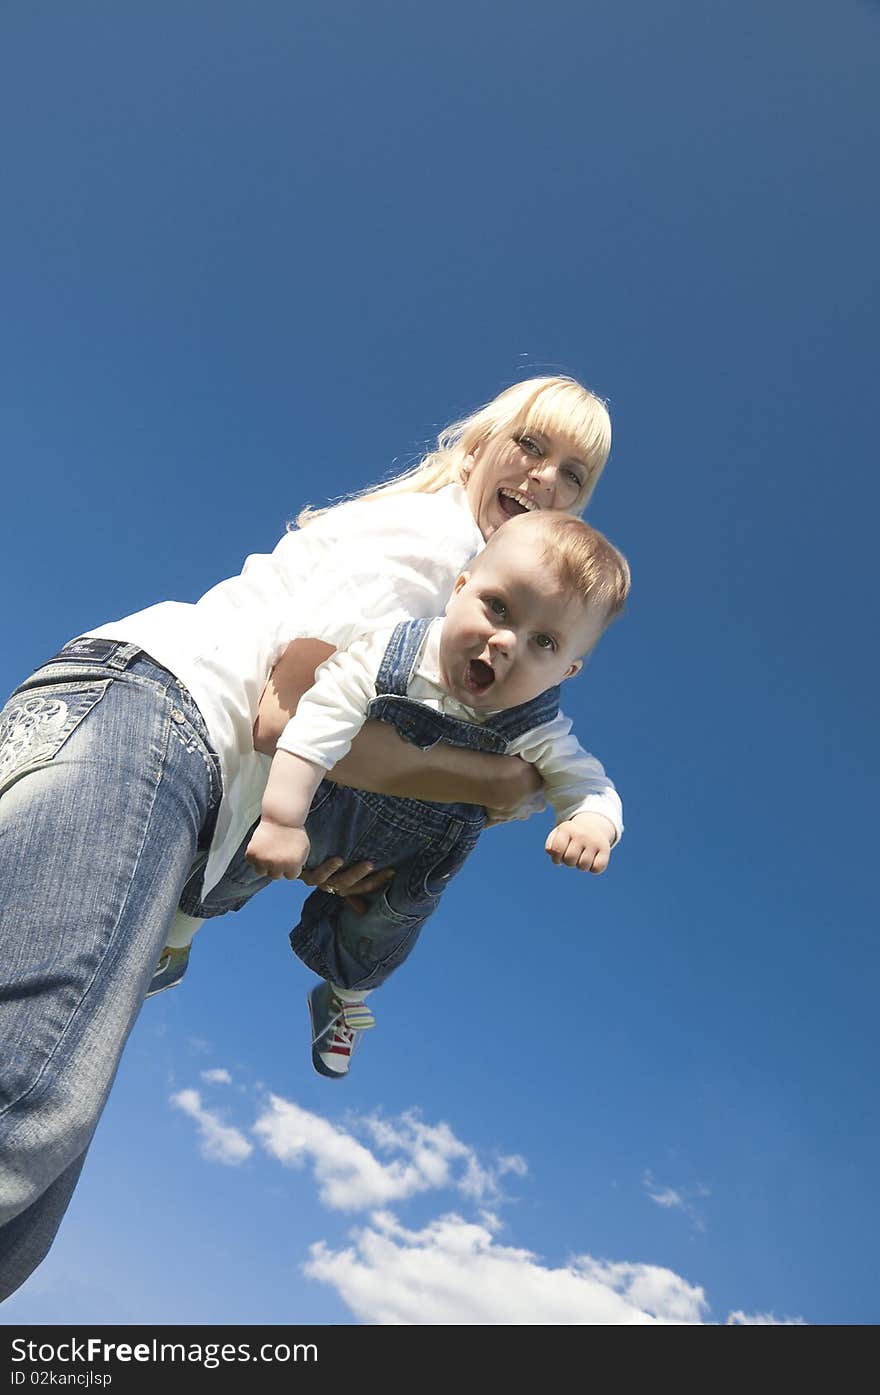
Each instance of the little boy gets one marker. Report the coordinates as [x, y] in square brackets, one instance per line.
[532, 604]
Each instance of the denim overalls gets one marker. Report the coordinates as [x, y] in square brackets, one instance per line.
[425, 843]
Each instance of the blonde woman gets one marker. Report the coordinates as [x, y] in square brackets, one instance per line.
[129, 757]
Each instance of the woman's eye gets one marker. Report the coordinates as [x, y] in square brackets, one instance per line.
[575, 478]
[528, 445]
[545, 642]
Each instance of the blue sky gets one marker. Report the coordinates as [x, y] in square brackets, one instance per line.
[259, 255]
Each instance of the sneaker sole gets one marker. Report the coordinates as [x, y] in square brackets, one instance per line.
[163, 987]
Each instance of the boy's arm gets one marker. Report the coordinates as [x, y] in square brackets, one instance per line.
[280, 845]
[289, 680]
[381, 761]
[328, 718]
[588, 810]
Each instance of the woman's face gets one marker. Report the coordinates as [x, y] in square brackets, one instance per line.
[515, 472]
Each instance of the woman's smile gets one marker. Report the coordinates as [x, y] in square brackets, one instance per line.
[510, 475]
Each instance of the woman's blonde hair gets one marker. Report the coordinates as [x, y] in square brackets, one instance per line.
[556, 404]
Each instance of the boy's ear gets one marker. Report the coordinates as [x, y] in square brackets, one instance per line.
[461, 580]
[575, 668]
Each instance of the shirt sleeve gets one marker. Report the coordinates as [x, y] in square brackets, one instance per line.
[332, 712]
[575, 782]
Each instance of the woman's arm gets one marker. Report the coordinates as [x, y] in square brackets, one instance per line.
[292, 676]
[383, 762]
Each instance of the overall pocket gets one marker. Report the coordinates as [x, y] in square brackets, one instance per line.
[373, 946]
[36, 722]
[434, 869]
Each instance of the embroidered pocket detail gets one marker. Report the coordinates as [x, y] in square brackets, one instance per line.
[33, 728]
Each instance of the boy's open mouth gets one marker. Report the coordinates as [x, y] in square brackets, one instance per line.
[512, 501]
[478, 677]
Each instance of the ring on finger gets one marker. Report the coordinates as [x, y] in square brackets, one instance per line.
[331, 890]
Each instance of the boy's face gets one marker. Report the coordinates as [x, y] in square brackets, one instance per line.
[512, 630]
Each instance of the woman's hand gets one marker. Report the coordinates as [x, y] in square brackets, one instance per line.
[519, 793]
[352, 883]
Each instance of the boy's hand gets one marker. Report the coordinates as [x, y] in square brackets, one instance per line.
[277, 850]
[583, 841]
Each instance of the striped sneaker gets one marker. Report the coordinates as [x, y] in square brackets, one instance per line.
[335, 1029]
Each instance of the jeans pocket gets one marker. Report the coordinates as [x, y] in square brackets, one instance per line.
[35, 724]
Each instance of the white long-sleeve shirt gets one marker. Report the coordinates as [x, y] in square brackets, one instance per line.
[365, 563]
[331, 714]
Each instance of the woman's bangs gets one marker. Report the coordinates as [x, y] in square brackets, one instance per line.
[567, 410]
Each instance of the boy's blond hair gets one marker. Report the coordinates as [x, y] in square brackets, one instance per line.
[557, 404]
[582, 560]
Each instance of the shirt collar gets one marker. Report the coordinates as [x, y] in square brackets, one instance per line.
[428, 665]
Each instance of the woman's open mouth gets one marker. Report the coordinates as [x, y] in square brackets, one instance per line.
[512, 502]
[478, 677]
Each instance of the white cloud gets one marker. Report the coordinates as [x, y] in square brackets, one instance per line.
[454, 1271]
[434, 1148]
[512, 1162]
[668, 1197]
[673, 1199]
[741, 1319]
[351, 1177]
[219, 1141]
[217, 1077]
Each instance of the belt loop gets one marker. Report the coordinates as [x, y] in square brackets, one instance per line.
[125, 654]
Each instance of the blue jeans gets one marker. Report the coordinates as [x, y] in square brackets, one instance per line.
[108, 788]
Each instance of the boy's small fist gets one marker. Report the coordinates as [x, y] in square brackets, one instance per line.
[278, 851]
[583, 842]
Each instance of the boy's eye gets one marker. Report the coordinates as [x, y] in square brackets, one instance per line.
[545, 642]
[574, 477]
[496, 606]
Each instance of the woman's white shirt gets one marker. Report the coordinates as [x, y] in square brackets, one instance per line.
[364, 564]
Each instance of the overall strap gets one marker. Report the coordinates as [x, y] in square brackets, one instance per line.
[517, 720]
[399, 659]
